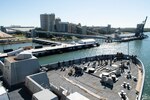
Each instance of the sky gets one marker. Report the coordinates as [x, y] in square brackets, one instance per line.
[118, 13]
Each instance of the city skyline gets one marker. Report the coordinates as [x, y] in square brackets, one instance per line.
[90, 12]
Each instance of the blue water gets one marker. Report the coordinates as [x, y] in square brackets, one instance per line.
[141, 48]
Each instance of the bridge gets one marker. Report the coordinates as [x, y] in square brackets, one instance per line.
[72, 34]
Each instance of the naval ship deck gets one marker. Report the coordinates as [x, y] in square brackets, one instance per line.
[89, 85]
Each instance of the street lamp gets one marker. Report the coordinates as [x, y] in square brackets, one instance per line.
[128, 48]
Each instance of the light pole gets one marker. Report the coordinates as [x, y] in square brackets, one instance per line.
[128, 48]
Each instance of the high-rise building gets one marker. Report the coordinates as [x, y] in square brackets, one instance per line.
[47, 22]
[44, 21]
[57, 21]
[51, 22]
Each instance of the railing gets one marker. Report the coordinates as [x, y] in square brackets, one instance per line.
[143, 78]
[81, 60]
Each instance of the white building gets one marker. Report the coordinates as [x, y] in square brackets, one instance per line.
[87, 41]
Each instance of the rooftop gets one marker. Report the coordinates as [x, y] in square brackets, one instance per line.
[12, 59]
[45, 95]
[76, 96]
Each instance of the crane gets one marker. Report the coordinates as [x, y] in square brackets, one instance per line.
[140, 28]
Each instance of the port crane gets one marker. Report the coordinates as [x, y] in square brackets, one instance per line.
[140, 28]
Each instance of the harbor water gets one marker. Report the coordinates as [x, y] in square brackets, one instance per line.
[140, 48]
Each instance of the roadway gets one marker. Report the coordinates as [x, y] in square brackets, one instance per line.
[72, 34]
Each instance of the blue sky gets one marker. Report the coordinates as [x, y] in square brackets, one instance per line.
[118, 13]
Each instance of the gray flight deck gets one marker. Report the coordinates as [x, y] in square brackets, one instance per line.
[90, 86]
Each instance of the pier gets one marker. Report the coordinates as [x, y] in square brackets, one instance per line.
[57, 47]
[60, 48]
[53, 48]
